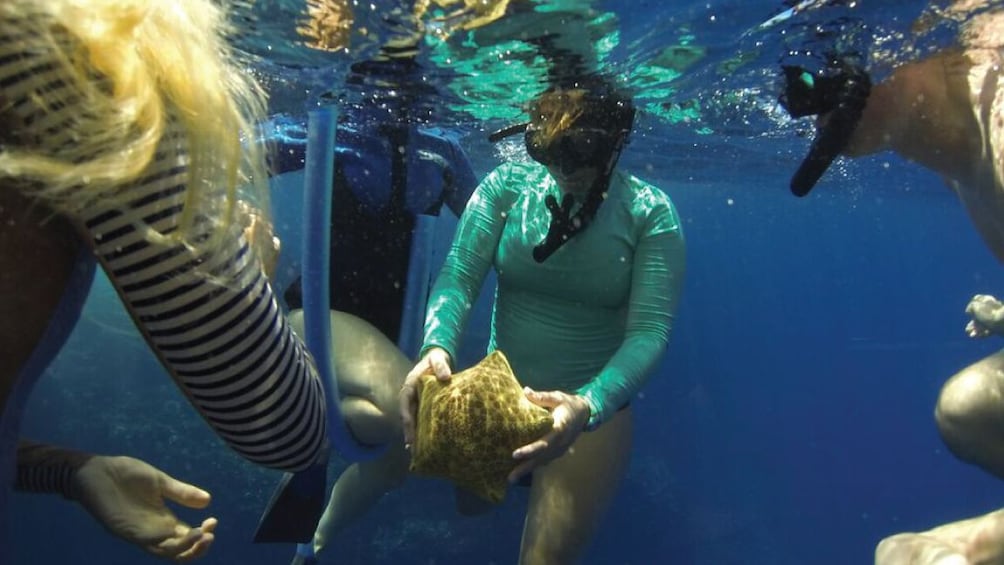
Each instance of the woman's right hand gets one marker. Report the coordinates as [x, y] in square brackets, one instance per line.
[436, 361]
[987, 315]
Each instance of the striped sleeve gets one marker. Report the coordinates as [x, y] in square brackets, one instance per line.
[208, 312]
[47, 469]
[214, 323]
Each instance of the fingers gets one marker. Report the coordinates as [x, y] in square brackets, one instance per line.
[209, 525]
[198, 550]
[201, 546]
[408, 402]
[533, 449]
[437, 362]
[521, 470]
[440, 365]
[183, 493]
[533, 455]
[987, 314]
[976, 330]
[407, 406]
[984, 306]
[186, 543]
[546, 399]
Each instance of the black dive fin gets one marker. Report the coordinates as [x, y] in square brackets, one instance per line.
[296, 507]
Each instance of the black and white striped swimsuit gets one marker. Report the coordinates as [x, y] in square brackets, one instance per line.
[228, 346]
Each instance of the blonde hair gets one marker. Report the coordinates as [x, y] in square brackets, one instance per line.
[133, 67]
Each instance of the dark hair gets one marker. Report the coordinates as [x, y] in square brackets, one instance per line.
[591, 102]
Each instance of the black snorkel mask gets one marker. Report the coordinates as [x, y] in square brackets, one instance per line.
[578, 147]
[841, 90]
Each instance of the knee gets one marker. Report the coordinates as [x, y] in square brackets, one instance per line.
[369, 424]
[962, 408]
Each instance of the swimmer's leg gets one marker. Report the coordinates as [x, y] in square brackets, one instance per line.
[358, 489]
[570, 495]
[370, 370]
[970, 414]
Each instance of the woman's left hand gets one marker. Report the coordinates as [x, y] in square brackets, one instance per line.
[127, 496]
[570, 413]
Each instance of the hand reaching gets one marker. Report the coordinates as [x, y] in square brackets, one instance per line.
[127, 497]
[570, 413]
[987, 315]
[435, 362]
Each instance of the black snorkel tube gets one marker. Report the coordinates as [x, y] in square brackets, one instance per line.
[840, 91]
[508, 131]
[564, 225]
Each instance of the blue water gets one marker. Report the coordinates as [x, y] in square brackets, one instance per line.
[790, 423]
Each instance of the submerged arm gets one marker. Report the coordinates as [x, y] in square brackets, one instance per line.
[467, 263]
[657, 279]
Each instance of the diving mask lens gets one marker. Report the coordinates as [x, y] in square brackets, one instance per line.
[574, 148]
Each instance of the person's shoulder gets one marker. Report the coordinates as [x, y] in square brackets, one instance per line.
[650, 205]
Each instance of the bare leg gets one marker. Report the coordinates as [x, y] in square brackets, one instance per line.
[358, 489]
[370, 371]
[570, 495]
[976, 541]
[970, 414]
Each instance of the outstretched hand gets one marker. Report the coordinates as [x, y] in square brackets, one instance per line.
[436, 361]
[987, 315]
[127, 496]
[570, 413]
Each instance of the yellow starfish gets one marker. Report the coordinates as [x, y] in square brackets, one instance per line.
[469, 427]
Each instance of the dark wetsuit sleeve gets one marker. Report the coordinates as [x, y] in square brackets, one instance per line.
[464, 179]
[657, 278]
[470, 256]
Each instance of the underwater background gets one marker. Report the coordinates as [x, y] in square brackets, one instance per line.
[791, 421]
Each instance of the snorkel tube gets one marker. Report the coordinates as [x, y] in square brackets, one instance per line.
[839, 94]
[317, 199]
[298, 502]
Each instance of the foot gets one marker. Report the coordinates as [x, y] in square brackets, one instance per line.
[975, 541]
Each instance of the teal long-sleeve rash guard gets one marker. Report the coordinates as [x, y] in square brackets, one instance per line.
[594, 318]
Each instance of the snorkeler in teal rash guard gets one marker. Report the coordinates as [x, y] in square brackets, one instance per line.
[590, 264]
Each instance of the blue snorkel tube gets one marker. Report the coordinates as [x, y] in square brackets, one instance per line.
[316, 280]
[297, 504]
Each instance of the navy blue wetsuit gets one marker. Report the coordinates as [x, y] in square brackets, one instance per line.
[385, 176]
